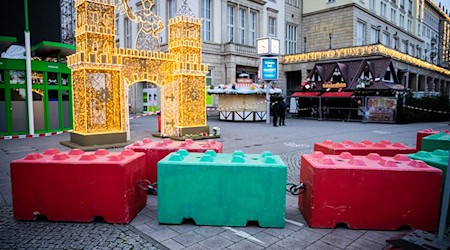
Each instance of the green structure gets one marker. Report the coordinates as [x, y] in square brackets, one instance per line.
[222, 189]
[51, 90]
[436, 141]
[437, 159]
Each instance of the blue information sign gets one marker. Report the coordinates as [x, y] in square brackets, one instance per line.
[269, 68]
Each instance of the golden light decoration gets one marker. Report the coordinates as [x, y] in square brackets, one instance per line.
[376, 49]
[101, 72]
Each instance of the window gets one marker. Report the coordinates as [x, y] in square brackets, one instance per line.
[383, 9]
[171, 8]
[409, 28]
[402, 21]
[272, 26]
[291, 39]
[241, 26]
[373, 35]
[206, 19]
[372, 4]
[292, 2]
[395, 42]
[410, 4]
[412, 49]
[393, 15]
[419, 28]
[127, 27]
[402, 4]
[230, 23]
[208, 78]
[419, 52]
[360, 33]
[385, 39]
[252, 28]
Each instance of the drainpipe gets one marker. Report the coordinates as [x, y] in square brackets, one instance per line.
[28, 70]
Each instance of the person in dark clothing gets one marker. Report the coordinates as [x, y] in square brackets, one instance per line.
[275, 112]
[281, 111]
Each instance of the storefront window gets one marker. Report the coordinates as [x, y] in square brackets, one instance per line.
[38, 109]
[1, 77]
[17, 77]
[64, 79]
[66, 109]
[52, 78]
[53, 110]
[37, 78]
[19, 110]
[2, 111]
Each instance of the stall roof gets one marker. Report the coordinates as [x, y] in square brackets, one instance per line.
[337, 94]
[6, 41]
[47, 48]
[305, 94]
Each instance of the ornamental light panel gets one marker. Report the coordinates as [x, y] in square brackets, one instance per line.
[102, 72]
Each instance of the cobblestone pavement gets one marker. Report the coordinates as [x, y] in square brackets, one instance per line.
[144, 232]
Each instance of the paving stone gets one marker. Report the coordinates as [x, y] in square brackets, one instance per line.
[171, 244]
[348, 233]
[366, 245]
[336, 240]
[266, 239]
[322, 231]
[321, 245]
[164, 234]
[274, 247]
[216, 242]
[208, 231]
[306, 236]
[145, 229]
[245, 245]
[280, 233]
[196, 247]
[188, 238]
[141, 219]
[375, 237]
[292, 243]
[229, 235]
[250, 229]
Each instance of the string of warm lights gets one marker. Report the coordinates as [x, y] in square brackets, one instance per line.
[362, 51]
[241, 106]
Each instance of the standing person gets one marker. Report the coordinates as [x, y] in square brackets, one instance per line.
[282, 111]
[275, 108]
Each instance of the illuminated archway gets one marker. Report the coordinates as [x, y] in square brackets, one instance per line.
[101, 72]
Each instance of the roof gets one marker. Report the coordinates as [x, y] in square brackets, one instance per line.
[6, 41]
[48, 48]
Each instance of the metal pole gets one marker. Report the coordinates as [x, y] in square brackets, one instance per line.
[267, 102]
[444, 205]
[28, 70]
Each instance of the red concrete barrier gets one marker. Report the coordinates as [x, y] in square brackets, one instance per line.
[383, 148]
[77, 186]
[426, 132]
[369, 192]
[156, 150]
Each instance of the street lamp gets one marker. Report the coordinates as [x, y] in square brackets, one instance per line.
[268, 48]
[331, 36]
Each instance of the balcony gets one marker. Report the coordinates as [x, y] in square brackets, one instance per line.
[233, 48]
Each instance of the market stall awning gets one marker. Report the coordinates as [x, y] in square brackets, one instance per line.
[337, 94]
[47, 48]
[305, 94]
[6, 41]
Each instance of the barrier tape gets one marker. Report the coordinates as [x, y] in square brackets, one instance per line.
[146, 114]
[241, 106]
[304, 109]
[10, 137]
[427, 110]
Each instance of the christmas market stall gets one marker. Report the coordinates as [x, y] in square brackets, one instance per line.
[355, 90]
[243, 100]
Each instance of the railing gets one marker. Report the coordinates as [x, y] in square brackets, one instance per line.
[240, 49]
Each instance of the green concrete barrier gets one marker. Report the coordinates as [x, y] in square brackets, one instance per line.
[436, 141]
[222, 189]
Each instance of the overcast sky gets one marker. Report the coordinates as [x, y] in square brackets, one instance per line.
[446, 3]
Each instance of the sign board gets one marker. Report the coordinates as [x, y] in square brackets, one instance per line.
[269, 68]
[381, 109]
[334, 85]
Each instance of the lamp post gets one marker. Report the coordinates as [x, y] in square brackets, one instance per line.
[268, 48]
[331, 36]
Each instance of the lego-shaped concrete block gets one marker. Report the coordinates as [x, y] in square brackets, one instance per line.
[77, 186]
[437, 159]
[222, 189]
[437, 141]
[426, 132]
[369, 192]
[156, 150]
[383, 148]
